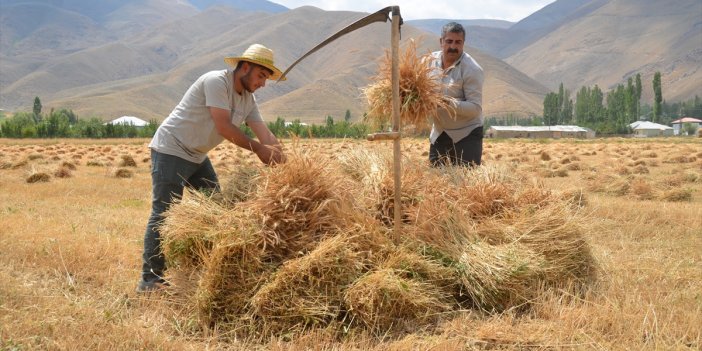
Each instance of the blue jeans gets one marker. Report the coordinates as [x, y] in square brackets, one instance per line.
[466, 152]
[169, 176]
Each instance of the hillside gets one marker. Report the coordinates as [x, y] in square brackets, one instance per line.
[146, 74]
[608, 44]
[137, 57]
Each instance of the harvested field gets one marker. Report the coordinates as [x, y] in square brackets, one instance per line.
[528, 251]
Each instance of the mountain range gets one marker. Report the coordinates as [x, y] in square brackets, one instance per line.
[111, 58]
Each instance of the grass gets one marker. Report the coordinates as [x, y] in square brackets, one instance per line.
[71, 254]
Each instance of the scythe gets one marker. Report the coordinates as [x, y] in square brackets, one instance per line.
[395, 136]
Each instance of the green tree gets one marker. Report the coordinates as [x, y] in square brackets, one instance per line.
[639, 89]
[347, 116]
[689, 128]
[658, 97]
[37, 109]
[551, 109]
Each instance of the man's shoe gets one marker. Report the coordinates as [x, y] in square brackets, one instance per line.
[151, 286]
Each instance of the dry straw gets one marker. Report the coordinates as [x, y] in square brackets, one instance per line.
[385, 300]
[298, 202]
[305, 245]
[420, 91]
[308, 290]
[497, 277]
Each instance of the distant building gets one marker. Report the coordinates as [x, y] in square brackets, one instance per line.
[288, 123]
[540, 132]
[646, 129]
[129, 120]
[678, 124]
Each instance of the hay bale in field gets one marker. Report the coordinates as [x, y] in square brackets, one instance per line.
[497, 277]
[365, 166]
[231, 273]
[555, 234]
[241, 184]
[545, 156]
[420, 91]
[20, 163]
[533, 196]
[552, 232]
[383, 300]
[308, 291]
[62, 172]
[305, 247]
[610, 184]
[299, 202]
[384, 197]
[410, 265]
[70, 165]
[123, 173]
[575, 197]
[193, 225]
[127, 161]
[38, 177]
[677, 195]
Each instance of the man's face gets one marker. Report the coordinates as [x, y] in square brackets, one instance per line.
[254, 78]
[452, 45]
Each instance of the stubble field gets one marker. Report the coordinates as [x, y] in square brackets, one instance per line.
[73, 213]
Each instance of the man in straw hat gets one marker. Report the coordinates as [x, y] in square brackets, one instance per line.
[457, 136]
[211, 111]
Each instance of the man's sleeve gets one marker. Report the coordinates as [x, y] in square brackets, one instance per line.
[473, 92]
[216, 94]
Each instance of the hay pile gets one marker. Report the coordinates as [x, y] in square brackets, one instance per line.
[420, 93]
[309, 247]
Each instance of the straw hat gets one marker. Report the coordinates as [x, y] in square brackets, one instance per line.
[259, 55]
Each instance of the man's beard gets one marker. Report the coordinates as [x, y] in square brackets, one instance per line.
[246, 81]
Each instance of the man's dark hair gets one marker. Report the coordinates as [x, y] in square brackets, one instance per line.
[453, 27]
[241, 62]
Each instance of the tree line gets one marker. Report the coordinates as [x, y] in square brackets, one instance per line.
[64, 123]
[612, 113]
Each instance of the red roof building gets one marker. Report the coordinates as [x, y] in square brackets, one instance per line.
[678, 124]
[686, 120]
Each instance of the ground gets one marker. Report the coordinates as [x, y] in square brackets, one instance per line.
[71, 249]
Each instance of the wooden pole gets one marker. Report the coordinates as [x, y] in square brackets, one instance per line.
[395, 42]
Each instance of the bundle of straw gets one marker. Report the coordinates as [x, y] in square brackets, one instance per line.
[420, 92]
[231, 274]
[383, 300]
[308, 246]
[241, 184]
[308, 290]
[190, 229]
[497, 277]
[298, 203]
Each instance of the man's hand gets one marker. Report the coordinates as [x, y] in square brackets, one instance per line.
[271, 154]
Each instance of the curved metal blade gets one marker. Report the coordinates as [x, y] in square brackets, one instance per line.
[380, 16]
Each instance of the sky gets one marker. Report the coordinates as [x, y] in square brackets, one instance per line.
[509, 10]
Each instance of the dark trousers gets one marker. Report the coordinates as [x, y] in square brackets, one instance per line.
[169, 176]
[466, 152]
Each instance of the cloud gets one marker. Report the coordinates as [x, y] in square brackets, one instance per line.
[510, 10]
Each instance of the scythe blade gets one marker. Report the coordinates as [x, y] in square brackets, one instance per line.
[380, 16]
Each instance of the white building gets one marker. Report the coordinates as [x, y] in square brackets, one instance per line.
[129, 120]
[645, 129]
[540, 132]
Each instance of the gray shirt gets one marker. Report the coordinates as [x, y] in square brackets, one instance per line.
[189, 131]
[462, 81]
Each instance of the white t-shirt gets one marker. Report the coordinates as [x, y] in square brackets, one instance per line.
[189, 131]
